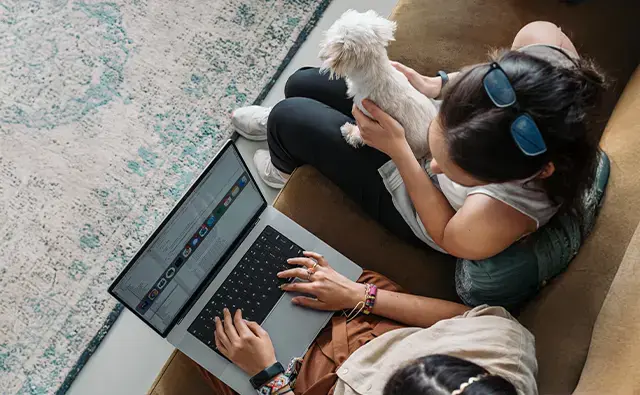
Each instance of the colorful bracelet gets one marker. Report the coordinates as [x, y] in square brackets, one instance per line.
[292, 370]
[370, 298]
[275, 386]
[365, 306]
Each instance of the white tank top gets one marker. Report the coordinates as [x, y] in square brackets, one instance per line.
[525, 196]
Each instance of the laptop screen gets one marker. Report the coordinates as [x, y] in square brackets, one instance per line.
[190, 243]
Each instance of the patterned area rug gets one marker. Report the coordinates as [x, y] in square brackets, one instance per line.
[108, 110]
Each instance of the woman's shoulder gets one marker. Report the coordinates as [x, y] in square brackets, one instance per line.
[526, 196]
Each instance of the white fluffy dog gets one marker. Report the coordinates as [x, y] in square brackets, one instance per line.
[355, 48]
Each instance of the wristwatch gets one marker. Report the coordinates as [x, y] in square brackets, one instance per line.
[267, 374]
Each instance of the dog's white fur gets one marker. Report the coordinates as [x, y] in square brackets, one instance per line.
[355, 48]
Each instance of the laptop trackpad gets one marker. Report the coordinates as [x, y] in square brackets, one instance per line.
[293, 328]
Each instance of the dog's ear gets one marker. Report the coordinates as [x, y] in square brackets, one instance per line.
[335, 55]
[383, 28]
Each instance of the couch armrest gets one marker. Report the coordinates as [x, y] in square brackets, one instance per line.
[613, 365]
[321, 207]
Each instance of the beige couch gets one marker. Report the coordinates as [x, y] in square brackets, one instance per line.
[586, 321]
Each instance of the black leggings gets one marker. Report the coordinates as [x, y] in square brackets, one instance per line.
[305, 129]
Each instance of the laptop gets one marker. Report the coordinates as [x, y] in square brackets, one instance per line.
[221, 246]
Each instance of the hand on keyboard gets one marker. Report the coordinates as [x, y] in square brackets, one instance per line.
[244, 343]
[332, 290]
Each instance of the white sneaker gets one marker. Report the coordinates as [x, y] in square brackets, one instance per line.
[251, 122]
[267, 171]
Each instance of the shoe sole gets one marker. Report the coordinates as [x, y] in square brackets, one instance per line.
[271, 184]
[249, 136]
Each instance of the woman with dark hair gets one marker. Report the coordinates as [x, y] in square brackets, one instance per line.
[511, 148]
[386, 343]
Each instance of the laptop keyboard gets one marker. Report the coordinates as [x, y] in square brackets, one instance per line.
[252, 286]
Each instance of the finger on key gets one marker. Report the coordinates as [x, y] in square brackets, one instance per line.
[297, 272]
[219, 333]
[219, 345]
[303, 288]
[302, 261]
[241, 326]
[229, 329]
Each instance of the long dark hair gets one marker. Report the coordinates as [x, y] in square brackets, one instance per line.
[442, 374]
[558, 98]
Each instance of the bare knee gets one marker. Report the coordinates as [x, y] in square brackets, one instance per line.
[543, 32]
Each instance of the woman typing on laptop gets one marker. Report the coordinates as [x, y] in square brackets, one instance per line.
[385, 342]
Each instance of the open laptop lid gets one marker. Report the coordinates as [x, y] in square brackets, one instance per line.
[192, 243]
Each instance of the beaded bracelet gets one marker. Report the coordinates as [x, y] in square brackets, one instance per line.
[370, 298]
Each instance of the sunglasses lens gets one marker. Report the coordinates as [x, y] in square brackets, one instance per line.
[499, 88]
[527, 136]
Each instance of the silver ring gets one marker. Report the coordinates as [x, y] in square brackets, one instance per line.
[309, 274]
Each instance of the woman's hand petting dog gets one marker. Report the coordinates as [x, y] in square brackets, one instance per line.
[382, 132]
[332, 290]
[428, 86]
[245, 343]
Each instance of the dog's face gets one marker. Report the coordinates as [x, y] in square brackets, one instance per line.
[353, 40]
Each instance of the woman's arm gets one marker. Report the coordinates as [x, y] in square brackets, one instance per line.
[431, 87]
[333, 292]
[432, 206]
[482, 228]
[249, 346]
[413, 310]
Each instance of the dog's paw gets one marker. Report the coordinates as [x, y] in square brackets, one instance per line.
[351, 134]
